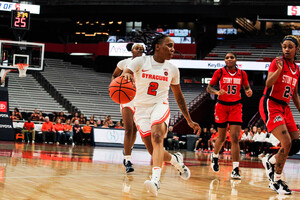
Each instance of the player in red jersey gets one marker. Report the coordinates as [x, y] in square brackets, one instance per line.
[229, 109]
[281, 86]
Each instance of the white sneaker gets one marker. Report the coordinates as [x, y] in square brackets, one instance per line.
[269, 167]
[280, 187]
[184, 171]
[235, 174]
[152, 186]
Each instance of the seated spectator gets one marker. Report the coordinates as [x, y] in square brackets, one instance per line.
[99, 123]
[105, 125]
[203, 140]
[272, 141]
[118, 125]
[47, 130]
[92, 120]
[199, 140]
[68, 129]
[172, 139]
[76, 117]
[81, 119]
[62, 117]
[108, 119]
[213, 139]
[13, 116]
[28, 131]
[55, 116]
[95, 125]
[18, 114]
[35, 116]
[59, 131]
[41, 117]
[246, 142]
[87, 132]
[77, 133]
[259, 140]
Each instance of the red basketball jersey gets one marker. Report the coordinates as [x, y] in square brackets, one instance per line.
[231, 82]
[283, 88]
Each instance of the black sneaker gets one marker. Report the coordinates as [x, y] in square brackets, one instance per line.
[235, 174]
[269, 167]
[214, 164]
[128, 166]
[280, 187]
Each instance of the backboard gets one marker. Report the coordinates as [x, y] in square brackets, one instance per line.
[14, 52]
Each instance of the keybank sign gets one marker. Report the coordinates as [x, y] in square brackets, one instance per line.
[216, 64]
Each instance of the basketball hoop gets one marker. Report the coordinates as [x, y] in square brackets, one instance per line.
[22, 67]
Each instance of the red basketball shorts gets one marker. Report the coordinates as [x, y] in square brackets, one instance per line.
[228, 113]
[275, 114]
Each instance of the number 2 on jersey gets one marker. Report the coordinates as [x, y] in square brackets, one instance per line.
[152, 88]
[288, 92]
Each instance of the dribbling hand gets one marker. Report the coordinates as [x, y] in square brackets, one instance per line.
[221, 92]
[279, 63]
[128, 77]
[195, 126]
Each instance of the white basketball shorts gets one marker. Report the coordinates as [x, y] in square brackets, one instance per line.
[146, 117]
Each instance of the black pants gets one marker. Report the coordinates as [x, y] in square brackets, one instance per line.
[49, 136]
[77, 137]
[86, 138]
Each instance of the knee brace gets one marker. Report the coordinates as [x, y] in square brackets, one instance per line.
[295, 147]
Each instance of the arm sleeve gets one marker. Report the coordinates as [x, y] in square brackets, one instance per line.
[272, 67]
[217, 75]
[136, 64]
[245, 79]
[176, 78]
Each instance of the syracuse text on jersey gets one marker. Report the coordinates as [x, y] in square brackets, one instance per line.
[155, 77]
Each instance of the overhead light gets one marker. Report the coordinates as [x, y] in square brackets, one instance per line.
[102, 24]
[118, 30]
[92, 24]
[119, 22]
[80, 24]
[111, 22]
[87, 22]
[97, 22]
[82, 33]
[77, 33]
[80, 54]
[75, 42]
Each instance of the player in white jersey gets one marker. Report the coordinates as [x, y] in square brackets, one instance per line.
[127, 110]
[154, 75]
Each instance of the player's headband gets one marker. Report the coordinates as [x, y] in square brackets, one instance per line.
[136, 44]
[291, 39]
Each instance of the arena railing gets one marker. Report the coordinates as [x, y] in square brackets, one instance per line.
[54, 93]
[191, 106]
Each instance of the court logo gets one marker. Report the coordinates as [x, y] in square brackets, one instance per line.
[3, 106]
[278, 119]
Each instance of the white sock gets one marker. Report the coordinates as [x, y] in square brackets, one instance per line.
[127, 158]
[156, 171]
[277, 177]
[272, 160]
[215, 155]
[235, 164]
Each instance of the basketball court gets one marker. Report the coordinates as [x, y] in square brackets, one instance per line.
[41, 171]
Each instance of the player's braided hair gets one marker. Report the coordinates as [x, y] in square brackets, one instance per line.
[157, 40]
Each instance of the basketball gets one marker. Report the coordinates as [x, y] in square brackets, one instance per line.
[121, 91]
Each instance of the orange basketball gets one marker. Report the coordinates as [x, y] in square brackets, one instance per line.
[121, 91]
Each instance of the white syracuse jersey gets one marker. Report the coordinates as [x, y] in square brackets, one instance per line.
[152, 80]
[124, 63]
